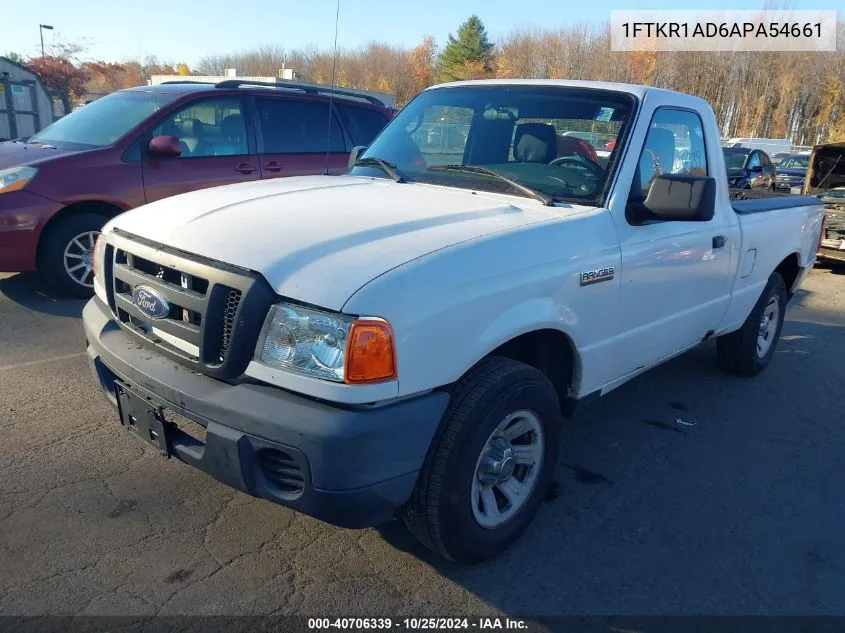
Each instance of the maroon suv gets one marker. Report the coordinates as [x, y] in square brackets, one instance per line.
[59, 187]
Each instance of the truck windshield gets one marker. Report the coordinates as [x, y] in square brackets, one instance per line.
[551, 140]
[102, 122]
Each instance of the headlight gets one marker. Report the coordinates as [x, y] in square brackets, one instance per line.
[15, 178]
[326, 345]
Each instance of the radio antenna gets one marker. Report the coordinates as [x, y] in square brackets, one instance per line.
[331, 94]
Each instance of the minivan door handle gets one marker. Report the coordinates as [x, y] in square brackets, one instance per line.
[273, 165]
[245, 168]
[719, 241]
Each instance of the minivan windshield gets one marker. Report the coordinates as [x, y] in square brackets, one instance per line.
[104, 121]
[548, 141]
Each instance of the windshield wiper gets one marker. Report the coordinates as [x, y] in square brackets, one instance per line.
[475, 169]
[386, 167]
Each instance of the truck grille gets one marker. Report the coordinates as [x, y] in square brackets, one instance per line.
[214, 312]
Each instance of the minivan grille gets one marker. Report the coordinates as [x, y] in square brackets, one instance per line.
[213, 313]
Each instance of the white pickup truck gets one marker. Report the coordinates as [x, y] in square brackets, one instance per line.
[405, 340]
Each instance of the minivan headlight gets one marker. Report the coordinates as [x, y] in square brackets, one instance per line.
[15, 178]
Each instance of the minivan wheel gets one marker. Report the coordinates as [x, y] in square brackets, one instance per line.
[490, 464]
[67, 251]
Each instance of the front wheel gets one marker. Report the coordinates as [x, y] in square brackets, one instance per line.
[66, 254]
[491, 463]
[749, 350]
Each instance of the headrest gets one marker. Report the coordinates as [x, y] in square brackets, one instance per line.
[535, 143]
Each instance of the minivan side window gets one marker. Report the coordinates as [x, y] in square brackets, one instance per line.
[294, 126]
[208, 127]
[754, 160]
[364, 124]
[674, 145]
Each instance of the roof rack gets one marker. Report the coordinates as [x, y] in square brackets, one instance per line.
[302, 87]
[183, 81]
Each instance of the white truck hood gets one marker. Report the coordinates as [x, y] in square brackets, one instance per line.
[319, 239]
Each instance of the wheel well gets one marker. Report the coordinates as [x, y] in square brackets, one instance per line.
[550, 351]
[788, 269]
[105, 209]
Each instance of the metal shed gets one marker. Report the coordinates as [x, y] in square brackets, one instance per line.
[26, 106]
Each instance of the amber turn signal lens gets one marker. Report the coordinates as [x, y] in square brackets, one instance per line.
[370, 356]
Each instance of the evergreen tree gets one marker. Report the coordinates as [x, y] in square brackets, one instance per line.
[468, 55]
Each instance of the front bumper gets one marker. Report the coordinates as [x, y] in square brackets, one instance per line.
[22, 216]
[358, 463]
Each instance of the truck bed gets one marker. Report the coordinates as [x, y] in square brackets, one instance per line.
[745, 201]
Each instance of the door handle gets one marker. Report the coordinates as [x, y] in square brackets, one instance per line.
[245, 168]
[273, 166]
[719, 241]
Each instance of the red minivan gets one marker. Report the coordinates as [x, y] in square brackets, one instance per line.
[59, 187]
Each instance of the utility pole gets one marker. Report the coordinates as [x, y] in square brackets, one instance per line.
[41, 28]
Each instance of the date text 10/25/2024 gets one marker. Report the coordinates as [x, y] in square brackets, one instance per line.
[414, 624]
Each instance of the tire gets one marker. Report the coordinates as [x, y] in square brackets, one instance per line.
[58, 244]
[441, 513]
[740, 352]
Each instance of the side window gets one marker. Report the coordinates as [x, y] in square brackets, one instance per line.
[754, 160]
[294, 126]
[674, 145]
[209, 127]
[363, 124]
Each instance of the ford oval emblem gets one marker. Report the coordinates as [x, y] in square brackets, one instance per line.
[150, 302]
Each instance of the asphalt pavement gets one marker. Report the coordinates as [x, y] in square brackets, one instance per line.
[736, 509]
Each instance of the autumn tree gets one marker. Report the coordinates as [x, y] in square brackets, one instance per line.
[13, 56]
[420, 64]
[470, 54]
[104, 77]
[182, 69]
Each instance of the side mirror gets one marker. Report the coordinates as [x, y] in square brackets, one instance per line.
[681, 198]
[756, 169]
[356, 154]
[165, 146]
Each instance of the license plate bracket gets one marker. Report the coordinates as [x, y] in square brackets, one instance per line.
[143, 418]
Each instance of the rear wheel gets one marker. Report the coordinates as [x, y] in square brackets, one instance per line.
[491, 463]
[66, 253]
[749, 350]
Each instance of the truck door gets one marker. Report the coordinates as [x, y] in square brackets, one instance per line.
[676, 275]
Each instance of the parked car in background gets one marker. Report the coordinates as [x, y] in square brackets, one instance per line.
[776, 158]
[791, 172]
[826, 179]
[749, 168]
[60, 186]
